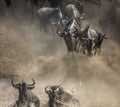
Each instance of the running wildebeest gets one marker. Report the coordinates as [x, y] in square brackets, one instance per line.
[98, 43]
[60, 96]
[69, 34]
[91, 40]
[51, 94]
[48, 16]
[25, 94]
[73, 26]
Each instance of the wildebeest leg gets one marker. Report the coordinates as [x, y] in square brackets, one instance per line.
[83, 49]
[89, 48]
[79, 45]
[17, 104]
[75, 44]
[14, 105]
[95, 50]
[53, 31]
[99, 51]
[37, 103]
[28, 103]
[66, 39]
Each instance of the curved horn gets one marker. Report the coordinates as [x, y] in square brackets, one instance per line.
[48, 89]
[30, 87]
[14, 85]
[32, 83]
[59, 89]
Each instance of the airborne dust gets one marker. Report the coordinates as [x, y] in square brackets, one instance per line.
[26, 52]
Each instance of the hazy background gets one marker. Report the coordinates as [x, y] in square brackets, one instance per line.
[26, 52]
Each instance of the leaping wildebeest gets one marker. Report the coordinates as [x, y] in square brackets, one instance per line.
[26, 97]
[72, 28]
[69, 34]
[58, 96]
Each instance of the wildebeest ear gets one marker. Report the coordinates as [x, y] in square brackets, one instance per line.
[30, 88]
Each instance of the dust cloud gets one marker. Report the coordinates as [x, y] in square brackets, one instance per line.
[27, 52]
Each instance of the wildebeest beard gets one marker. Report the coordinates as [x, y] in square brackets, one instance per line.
[23, 93]
[51, 99]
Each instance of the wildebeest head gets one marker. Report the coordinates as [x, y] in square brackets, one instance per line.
[23, 87]
[50, 90]
[100, 39]
[56, 90]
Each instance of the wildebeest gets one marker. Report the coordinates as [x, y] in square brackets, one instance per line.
[69, 34]
[91, 40]
[25, 94]
[71, 11]
[48, 16]
[61, 96]
[51, 94]
[98, 43]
